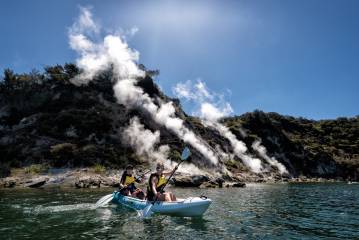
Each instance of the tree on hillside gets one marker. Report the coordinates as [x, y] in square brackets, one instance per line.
[10, 79]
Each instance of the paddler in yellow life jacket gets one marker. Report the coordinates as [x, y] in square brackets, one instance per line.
[127, 184]
[155, 184]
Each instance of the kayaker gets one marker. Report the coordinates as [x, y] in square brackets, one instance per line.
[127, 184]
[155, 183]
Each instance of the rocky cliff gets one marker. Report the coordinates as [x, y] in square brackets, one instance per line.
[47, 120]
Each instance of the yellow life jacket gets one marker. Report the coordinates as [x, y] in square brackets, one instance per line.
[129, 180]
[161, 181]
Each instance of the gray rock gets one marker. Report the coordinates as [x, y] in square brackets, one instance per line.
[239, 185]
[189, 181]
[209, 184]
[36, 183]
[9, 182]
[109, 181]
[220, 182]
[88, 182]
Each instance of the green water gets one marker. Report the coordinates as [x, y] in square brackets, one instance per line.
[260, 211]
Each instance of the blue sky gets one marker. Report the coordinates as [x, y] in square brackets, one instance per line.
[297, 58]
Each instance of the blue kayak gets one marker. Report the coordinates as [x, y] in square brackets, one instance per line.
[189, 207]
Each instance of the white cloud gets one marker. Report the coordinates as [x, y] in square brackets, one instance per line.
[209, 105]
[202, 90]
[184, 90]
[85, 22]
[132, 31]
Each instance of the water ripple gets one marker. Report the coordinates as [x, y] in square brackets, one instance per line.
[260, 211]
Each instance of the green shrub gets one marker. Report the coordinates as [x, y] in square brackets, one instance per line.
[100, 169]
[36, 169]
[174, 155]
[62, 147]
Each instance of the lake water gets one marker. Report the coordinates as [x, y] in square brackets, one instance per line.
[259, 211]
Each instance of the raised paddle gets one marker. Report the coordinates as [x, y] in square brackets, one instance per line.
[146, 212]
[108, 198]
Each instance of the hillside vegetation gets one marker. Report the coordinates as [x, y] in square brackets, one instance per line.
[47, 120]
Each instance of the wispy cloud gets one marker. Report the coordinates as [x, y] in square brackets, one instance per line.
[85, 23]
[209, 105]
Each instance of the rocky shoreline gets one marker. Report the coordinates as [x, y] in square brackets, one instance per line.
[87, 178]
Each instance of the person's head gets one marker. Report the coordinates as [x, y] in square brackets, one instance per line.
[129, 169]
[159, 168]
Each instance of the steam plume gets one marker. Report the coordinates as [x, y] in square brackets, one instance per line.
[114, 51]
[144, 141]
[262, 151]
[212, 107]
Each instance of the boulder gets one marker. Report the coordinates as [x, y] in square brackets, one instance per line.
[210, 184]
[35, 183]
[239, 185]
[9, 182]
[220, 182]
[88, 182]
[190, 181]
[110, 182]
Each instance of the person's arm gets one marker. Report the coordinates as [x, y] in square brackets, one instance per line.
[154, 181]
[122, 181]
[140, 178]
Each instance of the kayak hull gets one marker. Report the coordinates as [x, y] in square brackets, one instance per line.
[189, 207]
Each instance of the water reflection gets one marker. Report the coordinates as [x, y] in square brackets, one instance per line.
[104, 214]
[197, 224]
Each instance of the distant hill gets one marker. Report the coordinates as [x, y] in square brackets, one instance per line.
[46, 119]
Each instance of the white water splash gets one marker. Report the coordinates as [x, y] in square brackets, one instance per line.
[60, 208]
